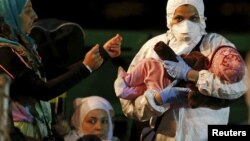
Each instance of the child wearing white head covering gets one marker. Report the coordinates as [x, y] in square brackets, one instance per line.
[82, 106]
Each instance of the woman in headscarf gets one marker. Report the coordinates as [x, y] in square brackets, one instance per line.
[186, 24]
[30, 90]
[92, 116]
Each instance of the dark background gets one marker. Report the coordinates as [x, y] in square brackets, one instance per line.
[223, 15]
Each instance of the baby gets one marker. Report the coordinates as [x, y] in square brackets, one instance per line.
[151, 74]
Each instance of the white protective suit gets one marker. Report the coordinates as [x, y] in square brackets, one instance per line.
[184, 124]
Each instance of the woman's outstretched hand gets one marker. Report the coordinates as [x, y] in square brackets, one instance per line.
[93, 59]
[113, 46]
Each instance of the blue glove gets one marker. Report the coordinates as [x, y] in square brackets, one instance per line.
[172, 94]
[177, 70]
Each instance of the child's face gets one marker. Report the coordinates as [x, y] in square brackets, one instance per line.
[96, 123]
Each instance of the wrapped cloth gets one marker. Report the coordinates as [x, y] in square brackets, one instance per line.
[150, 74]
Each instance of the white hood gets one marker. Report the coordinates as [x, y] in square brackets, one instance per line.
[172, 5]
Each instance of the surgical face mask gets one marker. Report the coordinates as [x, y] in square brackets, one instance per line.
[186, 31]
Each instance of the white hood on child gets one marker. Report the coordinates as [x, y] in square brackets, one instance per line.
[83, 106]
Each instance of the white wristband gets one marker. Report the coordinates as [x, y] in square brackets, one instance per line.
[90, 70]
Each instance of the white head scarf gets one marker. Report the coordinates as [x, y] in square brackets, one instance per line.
[83, 106]
[172, 5]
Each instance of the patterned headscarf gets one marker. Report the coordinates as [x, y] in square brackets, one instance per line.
[10, 10]
[83, 106]
[24, 47]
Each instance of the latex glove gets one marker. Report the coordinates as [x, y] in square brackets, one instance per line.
[177, 70]
[172, 94]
